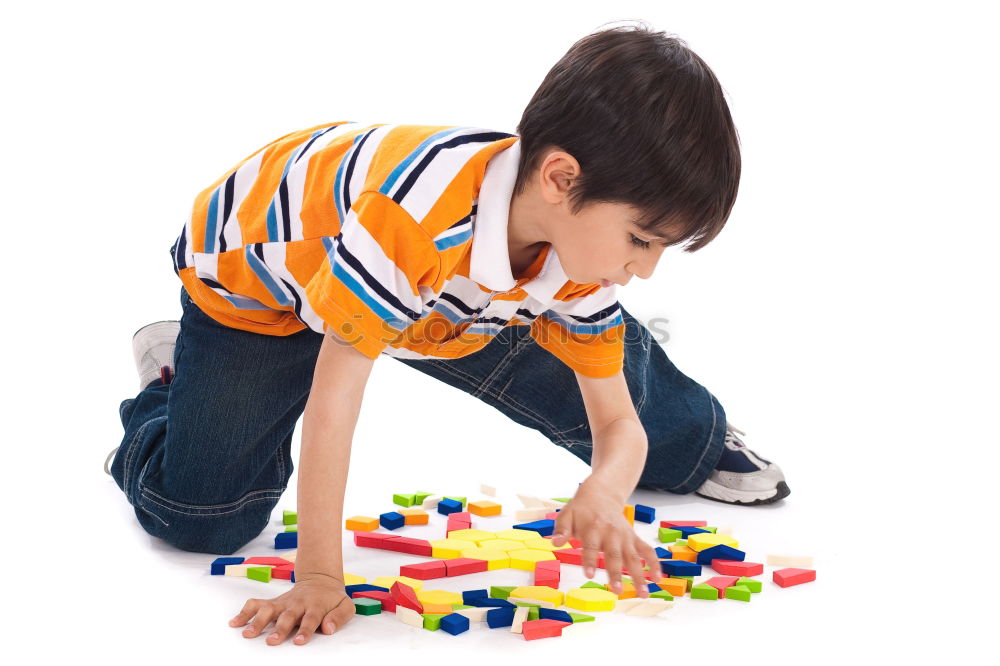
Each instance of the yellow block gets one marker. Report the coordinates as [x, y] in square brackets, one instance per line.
[682, 553]
[495, 559]
[449, 548]
[527, 559]
[352, 579]
[630, 514]
[440, 597]
[677, 587]
[414, 516]
[474, 536]
[503, 545]
[541, 592]
[590, 599]
[517, 535]
[485, 508]
[387, 581]
[704, 540]
[363, 523]
[545, 544]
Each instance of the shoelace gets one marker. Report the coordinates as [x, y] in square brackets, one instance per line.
[731, 436]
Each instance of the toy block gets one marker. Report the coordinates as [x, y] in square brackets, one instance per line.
[219, 564]
[239, 570]
[391, 520]
[454, 623]
[803, 561]
[261, 573]
[500, 617]
[645, 514]
[530, 514]
[590, 599]
[430, 502]
[686, 532]
[552, 515]
[460, 515]
[683, 523]
[414, 516]
[667, 534]
[661, 594]
[488, 602]
[680, 568]
[439, 609]
[353, 579]
[289, 517]
[536, 603]
[520, 617]
[503, 545]
[487, 490]
[681, 552]
[475, 594]
[663, 553]
[438, 598]
[753, 584]
[449, 547]
[460, 500]
[698, 542]
[630, 514]
[569, 556]
[409, 545]
[404, 500]
[528, 558]
[424, 570]
[539, 592]
[485, 508]
[688, 581]
[725, 530]
[650, 607]
[543, 527]
[720, 552]
[410, 617]
[351, 590]
[731, 568]
[405, 596]
[419, 497]
[550, 565]
[447, 506]
[286, 540]
[530, 501]
[457, 526]
[545, 543]
[703, 591]
[535, 629]
[789, 577]
[460, 566]
[283, 572]
[386, 601]
[364, 606]
[292, 528]
[474, 614]
[554, 614]
[581, 617]
[676, 587]
[289, 555]
[721, 583]
[553, 504]
[517, 535]
[472, 535]
[387, 581]
[372, 539]
[501, 591]
[738, 592]
[363, 523]
[432, 621]
[546, 577]
[273, 561]
[495, 559]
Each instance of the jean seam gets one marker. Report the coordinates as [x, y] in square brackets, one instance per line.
[711, 433]
[131, 452]
[503, 364]
[148, 495]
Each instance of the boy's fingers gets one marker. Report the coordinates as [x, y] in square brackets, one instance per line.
[262, 619]
[613, 563]
[653, 561]
[247, 612]
[285, 623]
[591, 544]
[562, 529]
[636, 574]
[307, 627]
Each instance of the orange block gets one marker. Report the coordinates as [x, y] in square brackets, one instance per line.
[630, 514]
[675, 586]
[439, 608]
[414, 516]
[363, 523]
[484, 508]
[683, 553]
[628, 590]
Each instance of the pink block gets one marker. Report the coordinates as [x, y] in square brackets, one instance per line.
[792, 576]
[736, 568]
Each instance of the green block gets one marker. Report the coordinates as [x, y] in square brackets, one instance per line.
[289, 517]
[752, 584]
[704, 591]
[292, 528]
[681, 542]
[689, 579]
[580, 617]
[432, 621]
[527, 604]
[419, 497]
[363, 606]
[591, 583]
[457, 607]
[262, 573]
[562, 499]
[533, 613]
[457, 499]
[661, 594]
[667, 535]
[738, 592]
[710, 529]
[501, 591]
[403, 500]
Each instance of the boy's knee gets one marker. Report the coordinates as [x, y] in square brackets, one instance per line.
[215, 534]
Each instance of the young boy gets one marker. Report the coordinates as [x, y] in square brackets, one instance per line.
[487, 260]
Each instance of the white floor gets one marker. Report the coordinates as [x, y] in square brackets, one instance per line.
[846, 317]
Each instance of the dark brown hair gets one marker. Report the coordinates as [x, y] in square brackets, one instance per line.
[646, 119]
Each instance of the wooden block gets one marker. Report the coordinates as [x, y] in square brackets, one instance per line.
[625, 605]
[683, 523]
[798, 561]
[373, 539]
[590, 599]
[520, 617]
[474, 614]
[438, 598]
[682, 553]
[734, 568]
[431, 502]
[424, 570]
[485, 508]
[793, 576]
[540, 592]
[569, 556]
[363, 523]
[472, 535]
[535, 629]
[630, 514]
[650, 607]
[703, 591]
[488, 490]
[707, 540]
[388, 604]
[530, 501]
[446, 548]
[283, 572]
[533, 602]
[721, 583]
[410, 617]
[675, 586]
[411, 546]
[414, 516]
[526, 515]
[404, 596]
[527, 558]
[460, 566]
[495, 559]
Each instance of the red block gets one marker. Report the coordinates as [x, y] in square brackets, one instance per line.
[546, 578]
[736, 568]
[464, 516]
[409, 545]
[373, 539]
[551, 516]
[569, 555]
[721, 583]
[424, 570]
[533, 629]
[792, 576]
[547, 564]
[683, 523]
[388, 605]
[458, 566]
[276, 561]
[404, 596]
[283, 572]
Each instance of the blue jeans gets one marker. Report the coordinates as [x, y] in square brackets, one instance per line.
[209, 481]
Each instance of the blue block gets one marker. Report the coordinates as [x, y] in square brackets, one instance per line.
[499, 617]
[474, 594]
[293, 575]
[688, 531]
[720, 552]
[543, 527]
[447, 506]
[663, 553]
[645, 514]
[219, 565]
[349, 590]
[286, 540]
[455, 623]
[680, 568]
[392, 520]
[653, 587]
[553, 614]
[483, 602]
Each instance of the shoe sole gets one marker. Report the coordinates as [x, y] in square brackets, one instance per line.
[781, 491]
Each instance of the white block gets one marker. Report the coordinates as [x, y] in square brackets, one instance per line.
[431, 502]
[474, 614]
[802, 561]
[520, 615]
[238, 569]
[578, 629]
[489, 491]
[650, 607]
[552, 505]
[626, 605]
[527, 515]
[288, 555]
[526, 600]
[410, 617]
[728, 531]
[530, 501]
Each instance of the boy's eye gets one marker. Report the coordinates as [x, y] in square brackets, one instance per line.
[639, 242]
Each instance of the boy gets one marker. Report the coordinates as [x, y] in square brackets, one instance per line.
[484, 259]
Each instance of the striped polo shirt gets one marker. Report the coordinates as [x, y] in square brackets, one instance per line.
[393, 237]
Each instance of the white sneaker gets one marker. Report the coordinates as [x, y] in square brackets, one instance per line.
[153, 349]
[743, 477]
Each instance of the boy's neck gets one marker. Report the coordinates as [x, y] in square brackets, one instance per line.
[526, 232]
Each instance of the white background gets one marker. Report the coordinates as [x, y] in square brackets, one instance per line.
[846, 317]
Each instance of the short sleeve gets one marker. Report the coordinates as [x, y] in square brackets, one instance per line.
[587, 334]
[367, 290]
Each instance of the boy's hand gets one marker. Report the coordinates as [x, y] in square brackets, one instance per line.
[311, 602]
[593, 517]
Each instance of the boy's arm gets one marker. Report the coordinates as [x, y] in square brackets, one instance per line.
[328, 422]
